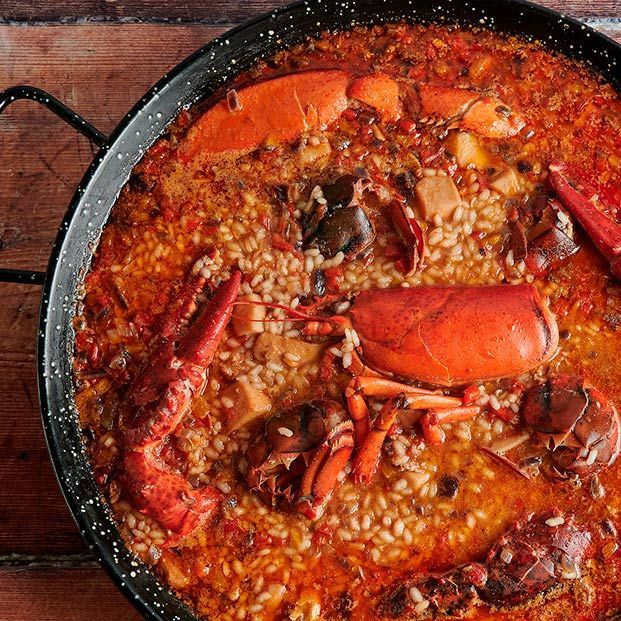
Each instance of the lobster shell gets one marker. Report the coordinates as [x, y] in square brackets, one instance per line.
[454, 335]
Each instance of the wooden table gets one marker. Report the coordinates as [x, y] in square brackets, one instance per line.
[99, 56]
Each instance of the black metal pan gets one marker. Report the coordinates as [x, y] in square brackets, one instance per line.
[195, 78]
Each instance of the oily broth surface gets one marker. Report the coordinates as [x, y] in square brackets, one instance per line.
[258, 563]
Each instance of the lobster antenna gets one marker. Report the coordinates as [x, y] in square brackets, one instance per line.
[294, 315]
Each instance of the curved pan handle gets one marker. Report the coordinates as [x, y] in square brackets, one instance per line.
[14, 93]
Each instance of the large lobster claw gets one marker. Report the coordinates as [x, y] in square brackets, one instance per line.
[605, 233]
[166, 496]
[157, 401]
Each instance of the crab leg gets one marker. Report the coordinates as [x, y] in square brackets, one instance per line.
[413, 238]
[432, 420]
[324, 469]
[605, 233]
[331, 326]
[370, 439]
[367, 457]
[361, 387]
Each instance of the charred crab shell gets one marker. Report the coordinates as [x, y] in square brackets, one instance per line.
[532, 559]
[576, 422]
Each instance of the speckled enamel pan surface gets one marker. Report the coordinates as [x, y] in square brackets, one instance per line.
[198, 77]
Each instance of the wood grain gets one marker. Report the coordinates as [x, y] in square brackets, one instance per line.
[33, 516]
[98, 71]
[216, 11]
[51, 593]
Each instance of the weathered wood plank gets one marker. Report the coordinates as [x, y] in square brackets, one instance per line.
[33, 516]
[196, 11]
[53, 593]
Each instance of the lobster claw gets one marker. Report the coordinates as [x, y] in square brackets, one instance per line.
[157, 401]
[603, 231]
[167, 497]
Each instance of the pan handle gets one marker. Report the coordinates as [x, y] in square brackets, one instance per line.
[70, 117]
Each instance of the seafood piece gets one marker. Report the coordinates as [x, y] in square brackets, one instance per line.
[411, 234]
[603, 231]
[167, 496]
[453, 335]
[158, 400]
[280, 108]
[452, 593]
[380, 92]
[533, 557]
[437, 196]
[340, 224]
[536, 555]
[470, 110]
[550, 241]
[370, 438]
[294, 463]
[576, 422]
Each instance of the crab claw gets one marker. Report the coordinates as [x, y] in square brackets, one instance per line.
[165, 496]
[380, 92]
[280, 108]
[468, 109]
[603, 231]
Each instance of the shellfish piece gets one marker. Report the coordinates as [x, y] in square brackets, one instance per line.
[380, 92]
[577, 423]
[603, 230]
[341, 224]
[468, 109]
[533, 558]
[278, 109]
[166, 496]
[454, 335]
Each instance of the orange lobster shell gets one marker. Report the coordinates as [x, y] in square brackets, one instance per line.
[453, 335]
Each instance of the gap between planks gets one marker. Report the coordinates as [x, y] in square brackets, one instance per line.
[47, 561]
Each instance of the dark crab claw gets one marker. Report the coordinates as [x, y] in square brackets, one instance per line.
[576, 422]
[603, 231]
[327, 463]
[340, 224]
[535, 556]
[550, 241]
